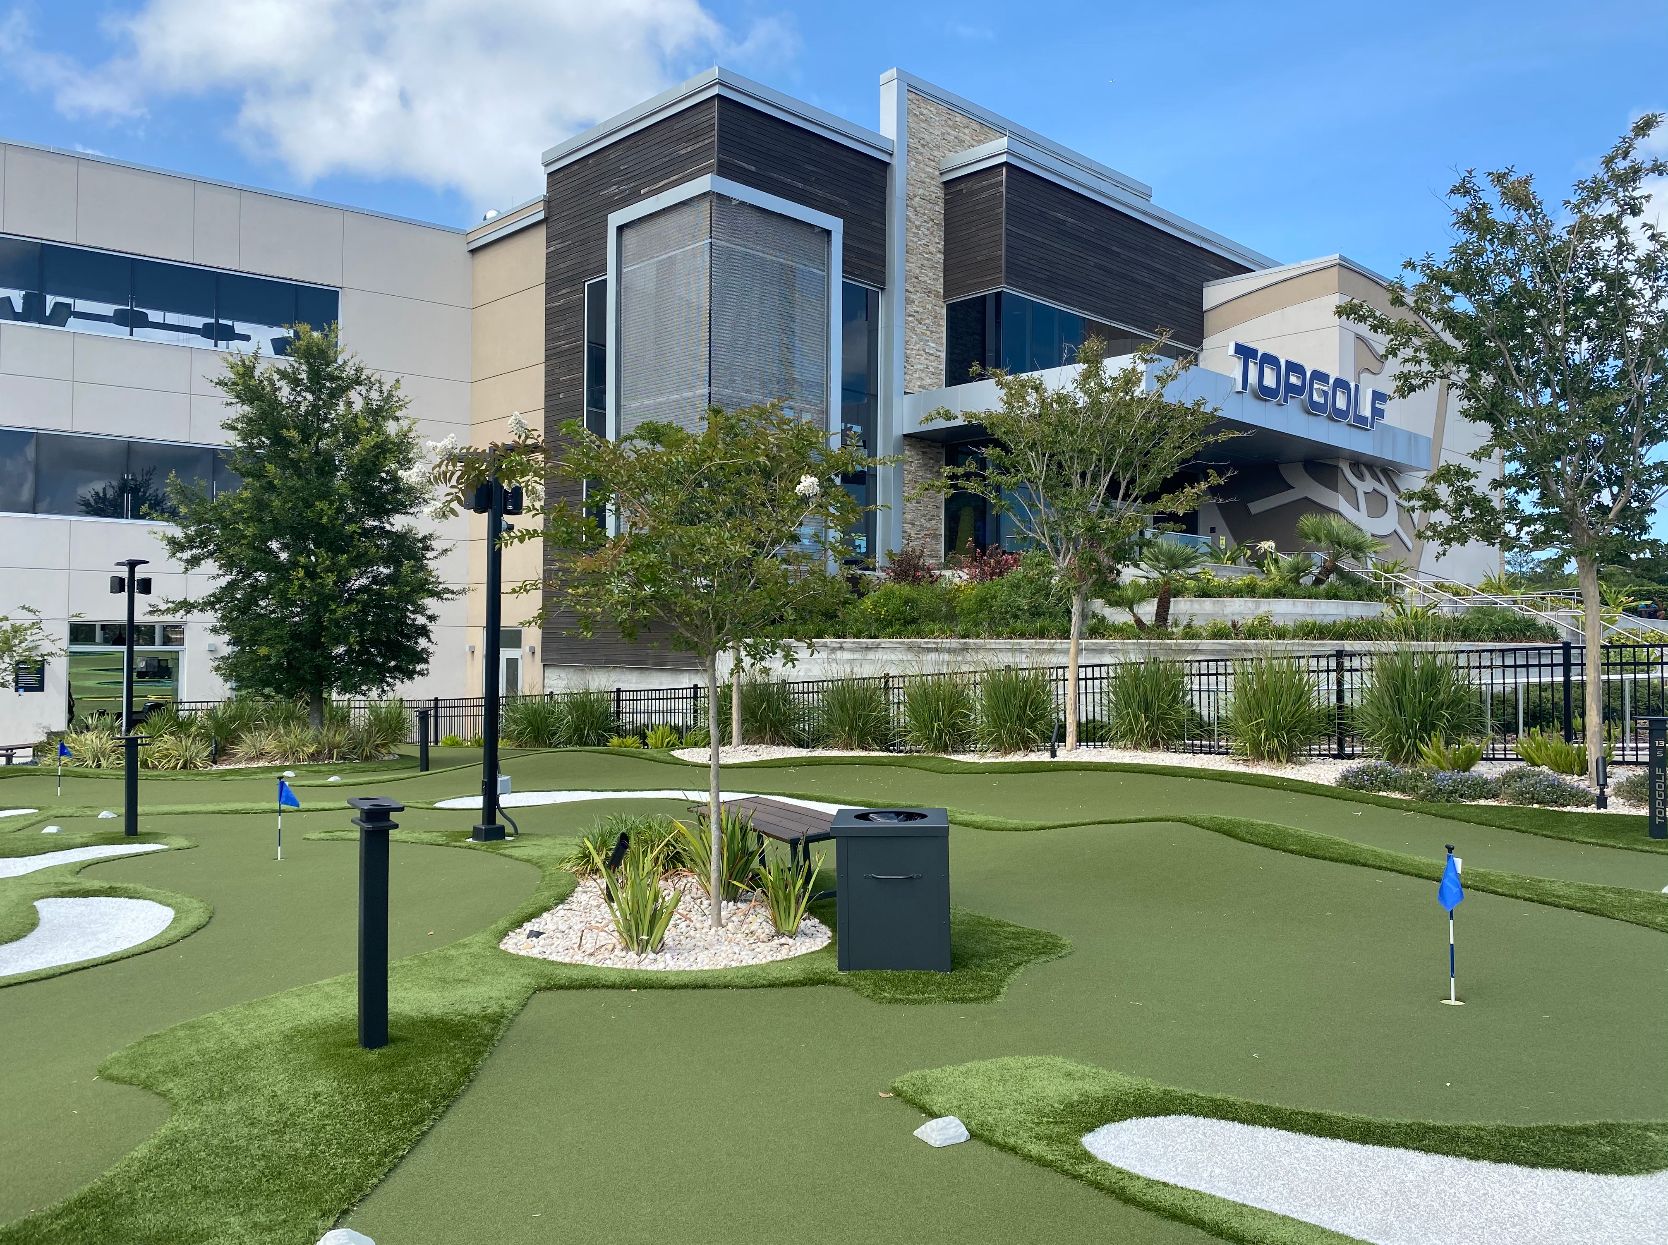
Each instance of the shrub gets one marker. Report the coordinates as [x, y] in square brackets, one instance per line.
[1273, 713]
[640, 908]
[1551, 752]
[328, 743]
[786, 886]
[1148, 704]
[1370, 776]
[451, 741]
[1412, 696]
[693, 843]
[624, 741]
[697, 737]
[938, 714]
[902, 609]
[855, 713]
[94, 748]
[585, 719]
[1634, 789]
[1454, 787]
[1016, 710]
[177, 750]
[770, 714]
[663, 737]
[386, 725]
[1435, 754]
[1525, 784]
[258, 745]
[910, 565]
[1028, 602]
[982, 566]
[650, 835]
[532, 722]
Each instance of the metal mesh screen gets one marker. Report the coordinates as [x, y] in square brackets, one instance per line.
[664, 310]
[770, 310]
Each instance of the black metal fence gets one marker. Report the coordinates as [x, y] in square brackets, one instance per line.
[1521, 687]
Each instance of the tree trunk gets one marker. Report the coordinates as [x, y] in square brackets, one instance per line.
[1161, 605]
[1079, 598]
[1592, 627]
[735, 697]
[315, 709]
[1328, 566]
[715, 824]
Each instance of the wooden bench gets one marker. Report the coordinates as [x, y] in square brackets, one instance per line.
[792, 824]
[10, 751]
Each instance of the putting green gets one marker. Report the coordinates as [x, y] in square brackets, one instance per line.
[1198, 961]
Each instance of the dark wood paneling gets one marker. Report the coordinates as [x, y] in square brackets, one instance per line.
[782, 159]
[1070, 249]
[578, 199]
[973, 233]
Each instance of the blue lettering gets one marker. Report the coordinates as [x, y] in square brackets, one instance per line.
[1380, 401]
[1268, 377]
[1297, 381]
[1342, 392]
[1320, 385]
[1247, 355]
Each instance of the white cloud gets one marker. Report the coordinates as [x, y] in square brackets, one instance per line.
[452, 93]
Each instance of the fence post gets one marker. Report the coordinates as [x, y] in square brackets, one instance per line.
[1338, 658]
[1569, 703]
[618, 709]
[694, 706]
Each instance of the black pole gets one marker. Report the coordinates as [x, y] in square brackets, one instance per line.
[1338, 659]
[1569, 698]
[488, 830]
[130, 785]
[128, 584]
[1656, 760]
[375, 820]
[422, 741]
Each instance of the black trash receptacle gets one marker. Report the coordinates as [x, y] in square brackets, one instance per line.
[893, 866]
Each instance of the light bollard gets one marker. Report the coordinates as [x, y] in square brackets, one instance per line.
[375, 820]
[422, 741]
[130, 784]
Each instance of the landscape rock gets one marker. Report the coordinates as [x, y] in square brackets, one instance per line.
[345, 1236]
[946, 1130]
[107, 815]
[50, 829]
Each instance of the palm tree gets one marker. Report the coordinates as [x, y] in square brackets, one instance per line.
[1336, 538]
[1169, 562]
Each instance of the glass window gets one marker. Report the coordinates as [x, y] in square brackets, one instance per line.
[20, 280]
[859, 394]
[966, 334]
[171, 635]
[83, 633]
[316, 308]
[150, 466]
[509, 637]
[225, 479]
[88, 291]
[172, 303]
[596, 356]
[254, 313]
[17, 471]
[81, 475]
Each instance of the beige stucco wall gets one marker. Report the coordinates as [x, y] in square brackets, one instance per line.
[506, 375]
[405, 307]
[935, 132]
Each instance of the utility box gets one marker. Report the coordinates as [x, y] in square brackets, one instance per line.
[893, 866]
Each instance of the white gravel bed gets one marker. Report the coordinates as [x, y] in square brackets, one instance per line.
[17, 866]
[579, 931]
[72, 930]
[17, 812]
[529, 799]
[1385, 1195]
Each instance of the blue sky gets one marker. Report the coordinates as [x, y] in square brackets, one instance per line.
[1299, 129]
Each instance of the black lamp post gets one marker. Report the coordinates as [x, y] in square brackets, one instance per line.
[129, 585]
[495, 501]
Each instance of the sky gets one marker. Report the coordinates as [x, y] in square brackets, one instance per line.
[1298, 129]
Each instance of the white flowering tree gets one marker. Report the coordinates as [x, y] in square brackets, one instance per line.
[722, 539]
[324, 586]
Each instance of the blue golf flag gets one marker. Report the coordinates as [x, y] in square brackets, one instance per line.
[286, 797]
[1450, 894]
[63, 749]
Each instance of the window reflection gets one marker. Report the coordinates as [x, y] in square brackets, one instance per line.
[102, 477]
[1007, 331]
[89, 291]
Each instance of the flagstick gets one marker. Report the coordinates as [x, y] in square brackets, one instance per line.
[280, 830]
[60, 778]
[1453, 1000]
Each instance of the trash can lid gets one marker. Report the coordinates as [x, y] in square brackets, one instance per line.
[890, 822]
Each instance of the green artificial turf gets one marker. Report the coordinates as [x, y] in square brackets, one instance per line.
[1041, 1108]
[1294, 977]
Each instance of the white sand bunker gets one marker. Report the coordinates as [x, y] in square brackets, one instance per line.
[528, 799]
[579, 931]
[1386, 1195]
[17, 866]
[17, 812]
[72, 930]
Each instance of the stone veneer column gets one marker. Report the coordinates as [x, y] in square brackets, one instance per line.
[923, 514]
[935, 132]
